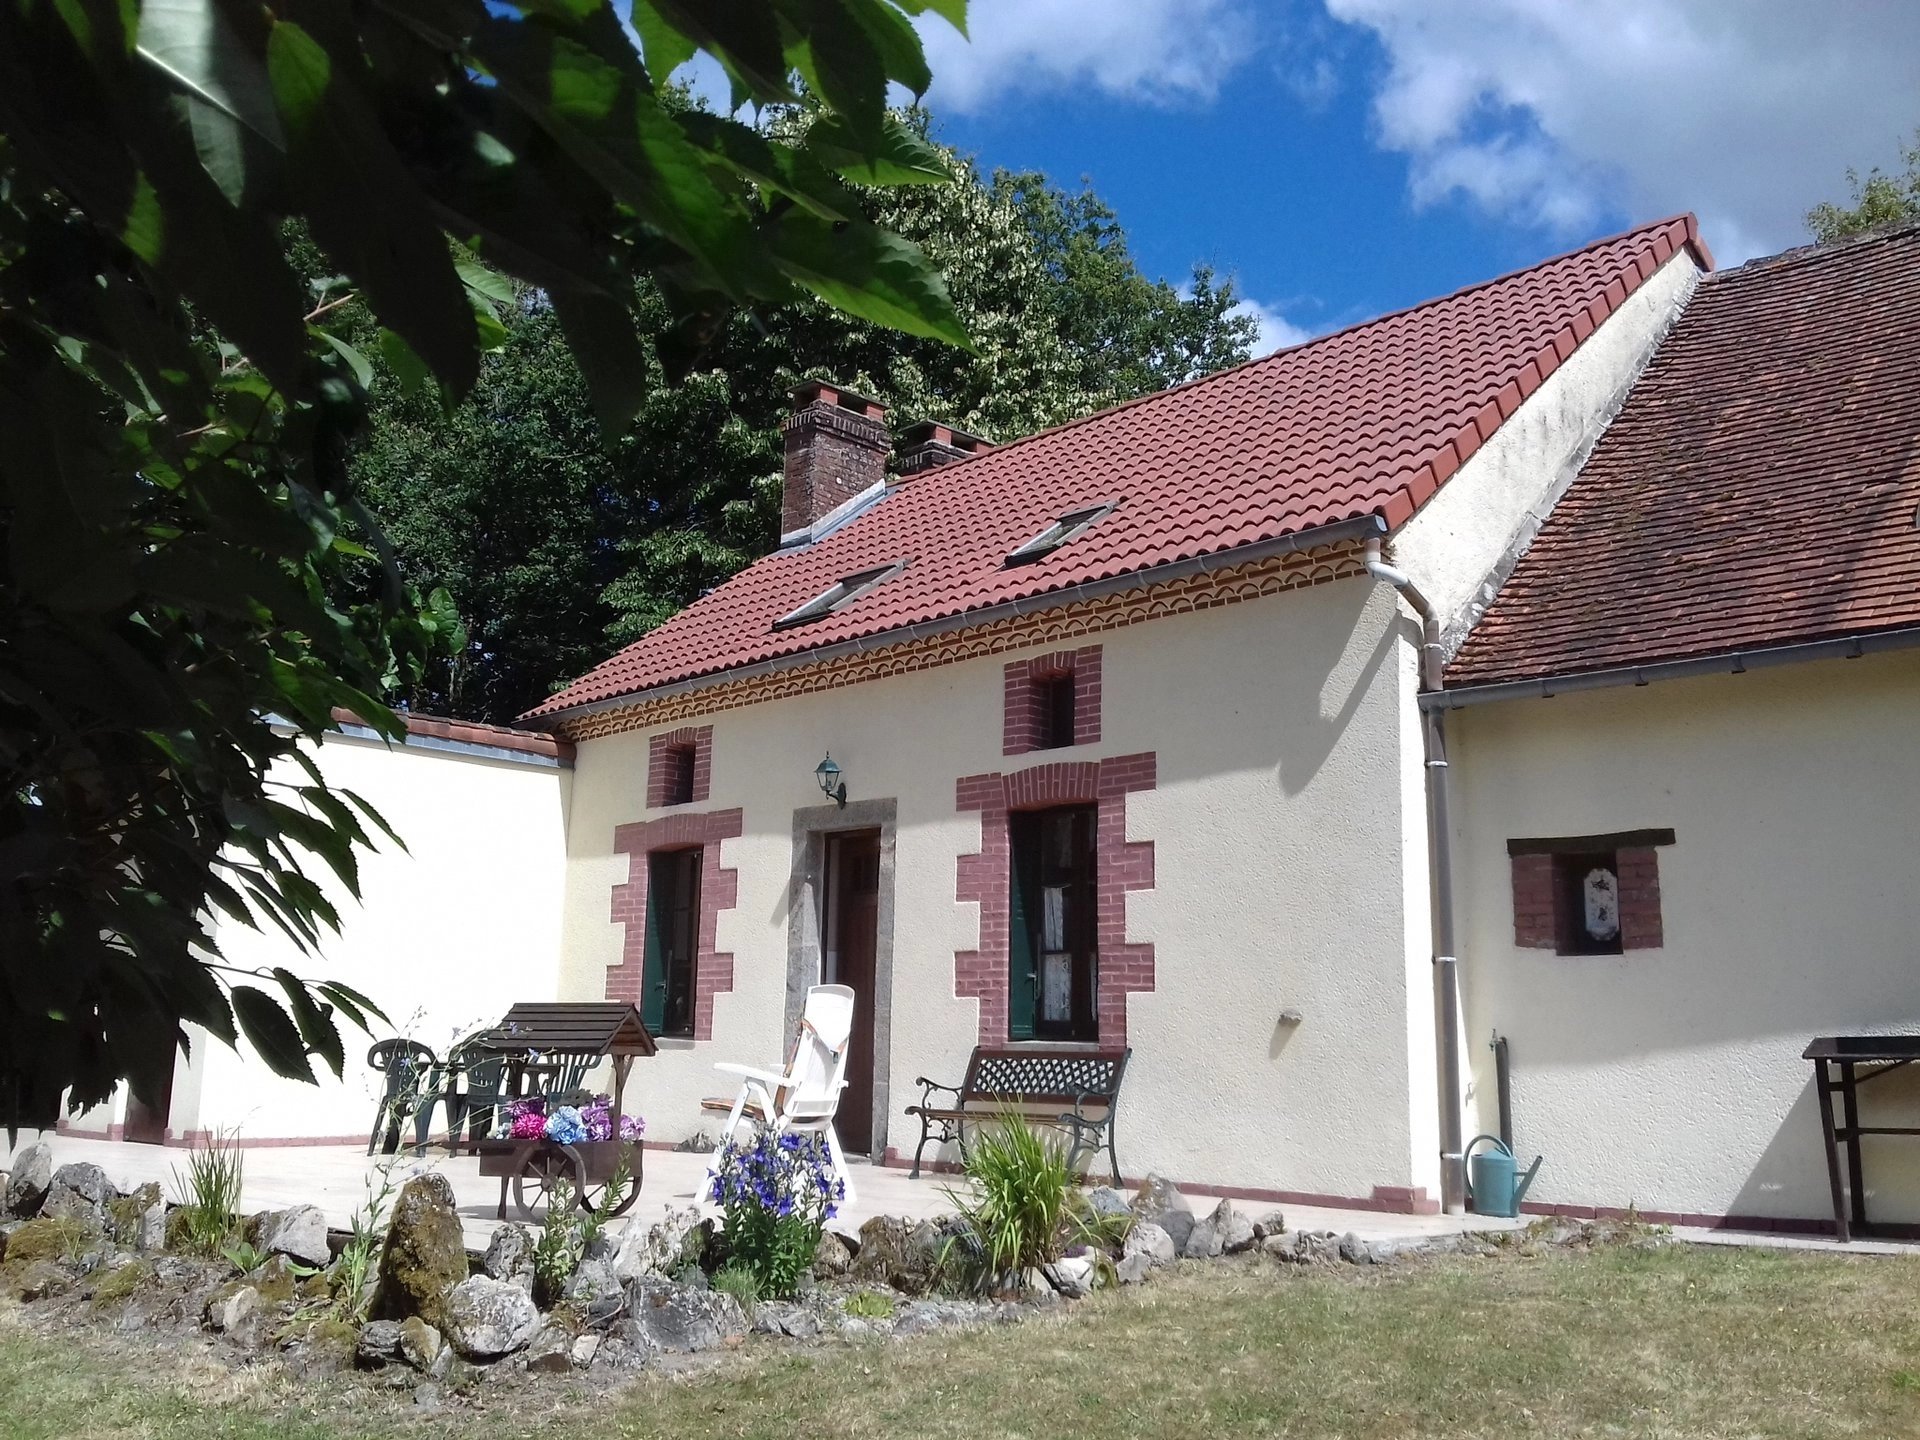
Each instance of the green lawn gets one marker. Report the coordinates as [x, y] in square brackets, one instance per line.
[1676, 1342]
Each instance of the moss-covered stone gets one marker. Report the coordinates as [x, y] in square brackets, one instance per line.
[53, 1240]
[425, 1254]
[33, 1279]
[275, 1281]
[124, 1213]
[122, 1282]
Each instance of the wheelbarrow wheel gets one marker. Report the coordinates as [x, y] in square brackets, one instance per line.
[592, 1197]
[547, 1170]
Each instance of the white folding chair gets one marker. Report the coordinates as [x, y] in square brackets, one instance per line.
[805, 1096]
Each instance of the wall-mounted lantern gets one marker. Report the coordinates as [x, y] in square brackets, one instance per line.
[831, 785]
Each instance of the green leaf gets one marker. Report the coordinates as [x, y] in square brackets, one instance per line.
[482, 281]
[271, 1033]
[410, 369]
[347, 997]
[610, 354]
[869, 272]
[664, 47]
[317, 1029]
[734, 32]
[954, 12]
[192, 43]
[902, 157]
[358, 363]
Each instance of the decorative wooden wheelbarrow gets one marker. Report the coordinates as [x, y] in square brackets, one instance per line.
[544, 1042]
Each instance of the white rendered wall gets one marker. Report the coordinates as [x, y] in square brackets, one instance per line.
[449, 934]
[1280, 845]
[1790, 900]
[1464, 540]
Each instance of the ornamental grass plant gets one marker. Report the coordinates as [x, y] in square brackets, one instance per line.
[1017, 1211]
[776, 1195]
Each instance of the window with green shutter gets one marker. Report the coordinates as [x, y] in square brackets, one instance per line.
[1052, 951]
[673, 940]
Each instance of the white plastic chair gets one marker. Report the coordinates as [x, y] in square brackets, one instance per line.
[805, 1096]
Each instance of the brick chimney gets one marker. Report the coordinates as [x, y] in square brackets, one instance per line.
[927, 443]
[836, 447]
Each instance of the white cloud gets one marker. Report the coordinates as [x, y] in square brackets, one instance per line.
[1276, 331]
[1162, 51]
[1745, 111]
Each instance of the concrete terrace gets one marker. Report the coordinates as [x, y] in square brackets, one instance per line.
[335, 1178]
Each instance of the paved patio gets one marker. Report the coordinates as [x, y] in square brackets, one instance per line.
[335, 1179]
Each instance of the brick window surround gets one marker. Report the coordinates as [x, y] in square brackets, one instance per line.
[1024, 728]
[1120, 865]
[719, 890]
[664, 754]
[1540, 894]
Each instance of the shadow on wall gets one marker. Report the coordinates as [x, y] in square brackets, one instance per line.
[1319, 661]
[1790, 1176]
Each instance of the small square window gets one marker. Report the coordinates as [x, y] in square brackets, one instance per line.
[1589, 903]
[1053, 699]
[679, 775]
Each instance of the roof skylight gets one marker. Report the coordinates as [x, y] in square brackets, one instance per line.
[840, 593]
[1068, 527]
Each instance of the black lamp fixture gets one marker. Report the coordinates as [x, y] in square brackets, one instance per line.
[831, 785]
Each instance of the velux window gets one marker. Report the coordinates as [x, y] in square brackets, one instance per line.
[1067, 527]
[841, 592]
[1055, 967]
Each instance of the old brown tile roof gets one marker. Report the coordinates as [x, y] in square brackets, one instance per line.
[1759, 487]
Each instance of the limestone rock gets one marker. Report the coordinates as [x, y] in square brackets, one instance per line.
[1152, 1240]
[27, 1182]
[1104, 1200]
[585, 1348]
[1072, 1276]
[425, 1255]
[79, 1192]
[231, 1307]
[509, 1254]
[423, 1347]
[550, 1352]
[299, 1234]
[1162, 1204]
[377, 1344]
[595, 1290]
[1233, 1229]
[1132, 1267]
[1356, 1251]
[832, 1258]
[681, 1320]
[678, 1242]
[1274, 1222]
[34, 1280]
[127, 1216]
[899, 1253]
[783, 1317]
[487, 1318]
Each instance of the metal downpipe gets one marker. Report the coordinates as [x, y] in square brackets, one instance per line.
[1446, 966]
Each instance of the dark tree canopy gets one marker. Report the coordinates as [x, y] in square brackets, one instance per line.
[555, 549]
[177, 403]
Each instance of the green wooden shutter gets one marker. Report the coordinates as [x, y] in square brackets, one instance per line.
[1023, 904]
[653, 972]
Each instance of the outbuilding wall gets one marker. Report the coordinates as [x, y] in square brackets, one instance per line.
[1670, 1078]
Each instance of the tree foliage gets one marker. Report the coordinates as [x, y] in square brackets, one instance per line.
[555, 548]
[177, 404]
[1878, 199]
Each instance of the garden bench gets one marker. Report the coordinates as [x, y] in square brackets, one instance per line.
[1086, 1082]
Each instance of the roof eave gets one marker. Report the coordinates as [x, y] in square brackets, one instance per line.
[1357, 528]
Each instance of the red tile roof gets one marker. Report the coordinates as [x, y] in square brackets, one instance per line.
[475, 732]
[1370, 420]
[1758, 488]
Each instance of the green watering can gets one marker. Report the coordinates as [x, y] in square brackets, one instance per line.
[1493, 1186]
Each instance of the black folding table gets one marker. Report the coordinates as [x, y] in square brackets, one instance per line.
[1881, 1055]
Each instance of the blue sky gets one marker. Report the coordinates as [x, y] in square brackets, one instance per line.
[1345, 157]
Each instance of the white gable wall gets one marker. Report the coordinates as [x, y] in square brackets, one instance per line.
[1465, 540]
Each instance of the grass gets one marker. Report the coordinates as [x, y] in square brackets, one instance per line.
[1679, 1342]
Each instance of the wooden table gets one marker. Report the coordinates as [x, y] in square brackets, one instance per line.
[1882, 1055]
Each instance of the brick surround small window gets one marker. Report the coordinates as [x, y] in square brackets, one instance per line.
[679, 766]
[1052, 701]
[1588, 894]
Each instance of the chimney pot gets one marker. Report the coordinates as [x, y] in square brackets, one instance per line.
[927, 443]
[836, 445]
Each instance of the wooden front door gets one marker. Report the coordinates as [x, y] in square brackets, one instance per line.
[852, 931]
